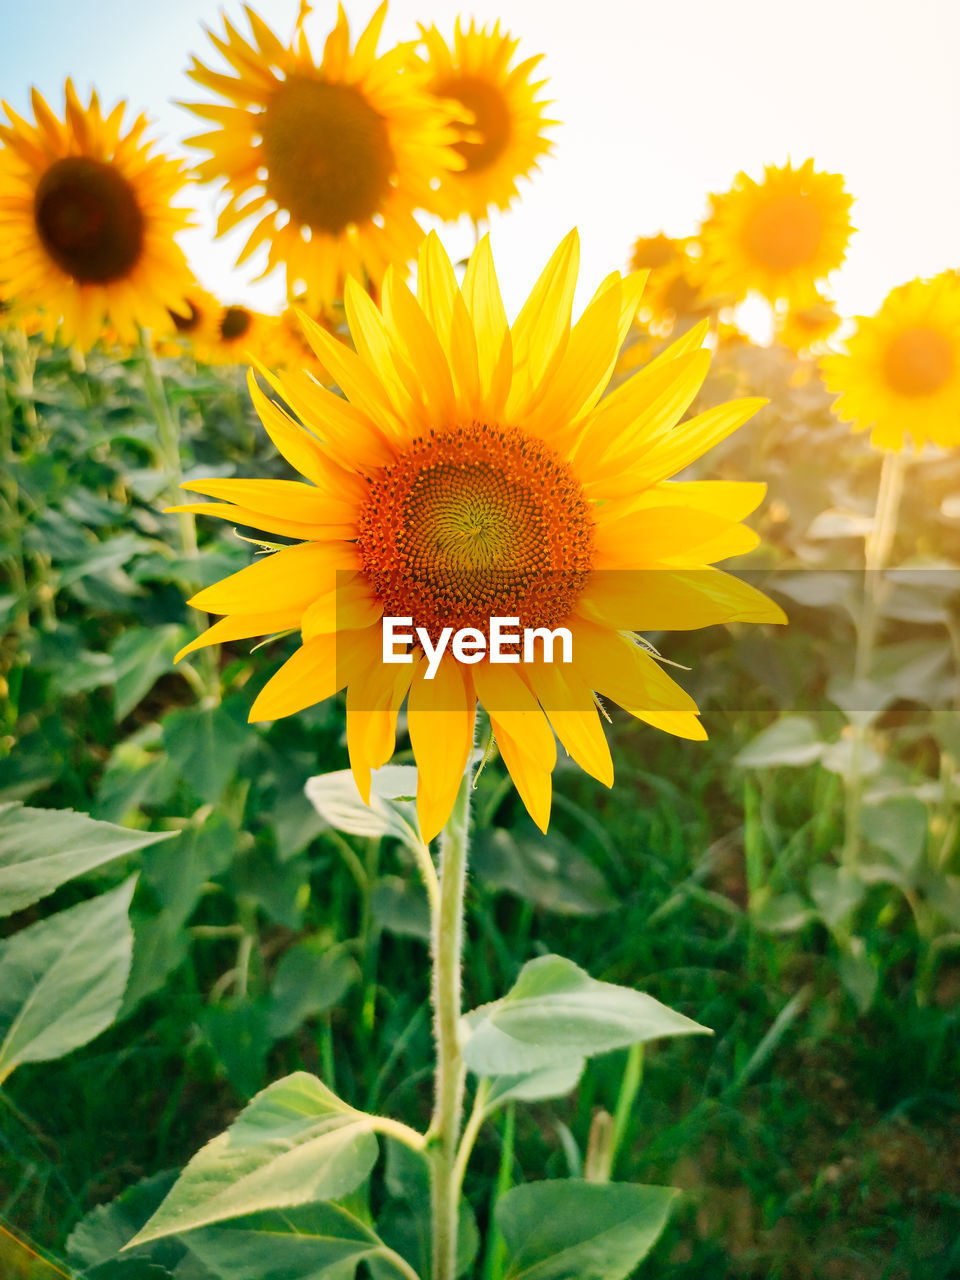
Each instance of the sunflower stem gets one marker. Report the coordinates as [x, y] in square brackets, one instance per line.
[168, 434]
[447, 948]
[879, 544]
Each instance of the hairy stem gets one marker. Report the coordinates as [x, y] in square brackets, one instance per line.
[447, 950]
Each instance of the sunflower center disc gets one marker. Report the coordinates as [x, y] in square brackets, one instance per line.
[491, 115]
[472, 524]
[327, 152]
[235, 323]
[918, 361]
[185, 322]
[88, 220]
[785, 232]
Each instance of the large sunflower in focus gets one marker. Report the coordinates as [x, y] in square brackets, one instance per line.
[900, 372]
[327, 160]
[779, 236]
[506, 134]
[86, 221]
[473, 471]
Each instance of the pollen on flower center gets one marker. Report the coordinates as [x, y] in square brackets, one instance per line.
[88, 219]
[474, 523]
[785, 232]
[491, 116]
[918, 361]
[327, 152]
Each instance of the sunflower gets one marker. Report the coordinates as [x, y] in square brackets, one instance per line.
[801, 328]
[240, 335]
[473, 472]
[900, 372]
[779, 236]
[673, 289]
[503, 136]
[196, 323]
[331, 159]
[86, 221]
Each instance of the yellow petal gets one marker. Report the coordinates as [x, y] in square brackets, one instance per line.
[440, 717]
[672, 600]
[539, 333]
[572, 712]
[620, 669]
[311, 675]
[289, 579]
[242, 626]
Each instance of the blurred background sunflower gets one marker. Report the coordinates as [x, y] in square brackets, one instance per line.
[326, 160]
[900, 371]
[87, 221]
[504, 132]
[778, 237]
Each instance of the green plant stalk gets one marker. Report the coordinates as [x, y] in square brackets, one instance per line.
[876, 554]
[447, 949]
[168, 434]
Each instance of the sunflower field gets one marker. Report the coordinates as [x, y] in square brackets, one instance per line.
[329, 949]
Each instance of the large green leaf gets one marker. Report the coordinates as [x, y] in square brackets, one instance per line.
[62, 980]
[556, 1010]
[575, 1230]
[310, 1242]
[296, 1142]
[41, 849]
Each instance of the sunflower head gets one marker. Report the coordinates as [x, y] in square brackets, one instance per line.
[503, 134]
[239, 335]
[779, 236]
[194, 325]
[803, 328]
[899, 374]
[674, 290]
[471, 471]
[87, 223]
[326, 159]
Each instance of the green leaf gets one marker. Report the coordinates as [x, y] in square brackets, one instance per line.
[535, 1086]
[793, 740]
[556, 1010]
[310, 1242]
[128, 1269]
[62, 980]
[141, 656]
[400, 906]
[205, 744]
[390, 812]
[899, 827]
[240, 1037]
[296, 1142]
[549, 871]
[575, 1230]
[41, 849]
[310, 978]
[836, 891]
[106, 1229]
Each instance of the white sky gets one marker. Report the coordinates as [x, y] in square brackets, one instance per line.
[662, 101]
